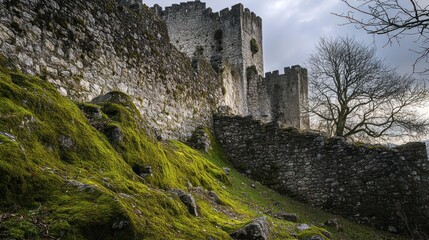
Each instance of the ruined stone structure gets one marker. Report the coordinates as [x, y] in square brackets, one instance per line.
[380, 186]
[89, 48]
[232, 41]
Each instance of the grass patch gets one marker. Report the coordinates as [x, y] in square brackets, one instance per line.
[72, 171]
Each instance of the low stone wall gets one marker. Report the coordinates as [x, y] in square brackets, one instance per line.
[376, 185]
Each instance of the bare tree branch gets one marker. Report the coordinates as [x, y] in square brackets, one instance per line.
[354, 93]
[395, 19]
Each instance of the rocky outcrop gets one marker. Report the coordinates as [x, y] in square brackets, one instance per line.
[189, 201]
[257, 230]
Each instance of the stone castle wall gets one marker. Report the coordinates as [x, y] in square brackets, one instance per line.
[292, 88]
[88, 48]
[376, 185]
[222, 38]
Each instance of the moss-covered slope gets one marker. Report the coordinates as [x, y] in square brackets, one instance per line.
[80, 171]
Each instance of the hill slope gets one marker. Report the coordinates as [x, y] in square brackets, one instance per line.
[92, 171]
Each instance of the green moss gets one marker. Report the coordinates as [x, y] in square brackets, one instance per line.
[19, 229]
[313, 231]
[254, 47]
[58, 166]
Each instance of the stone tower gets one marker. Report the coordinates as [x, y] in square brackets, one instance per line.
[224, 38]
[232, 41]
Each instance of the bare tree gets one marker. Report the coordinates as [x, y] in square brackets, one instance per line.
[354, 93]
[394, 18]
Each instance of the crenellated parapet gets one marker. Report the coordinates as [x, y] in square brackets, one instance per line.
[185, 8]
[288, 94]
[234, 36]
[296, 69]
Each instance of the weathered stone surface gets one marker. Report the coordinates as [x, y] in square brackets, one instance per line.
[335, 224]
[215, 197]
[114, 134]
[303, 226]
[200, 140]
[226, 40]
[89, 48]
[291, 217]
[259, 229]
[369, 184]
[189, 202]
[120, 224]
[66, 142]
[114, 97]
[81, 186]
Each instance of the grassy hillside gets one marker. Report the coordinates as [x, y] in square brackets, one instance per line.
[73, 171]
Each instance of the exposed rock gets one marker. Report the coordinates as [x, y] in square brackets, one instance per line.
[188, 200]
[335, 224]
[119, 224]
[327, 234]
[257, 230]
[227, 170]
[81, 186]
[302, 227]
[8, 135]
[215, 197]
[92, 112]
[114, 134]
[142, 171]
[291, 217]
[200, 140]
[66, 142]
[114, 97]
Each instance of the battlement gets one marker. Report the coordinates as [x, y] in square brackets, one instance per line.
[296, 69]
[237, 10]
[249, 16]
[186, 7]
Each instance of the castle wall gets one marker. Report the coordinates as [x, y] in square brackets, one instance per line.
[288, 94]
[88, 48]
[192, 29]
[257, 95]
[222, 38]
[231, 89]
[252, 29]
[375, 185]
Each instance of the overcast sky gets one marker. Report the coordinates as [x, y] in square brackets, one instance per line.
[292, 28]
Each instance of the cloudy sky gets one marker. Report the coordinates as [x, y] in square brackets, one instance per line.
[292, 28]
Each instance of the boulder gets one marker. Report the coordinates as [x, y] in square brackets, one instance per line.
[113, 133]
[335, 224]
[257, 230]
[189, 202]
[227, 170]
[114, 97]
[215, 197]
[291, 217]
[200, 140]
